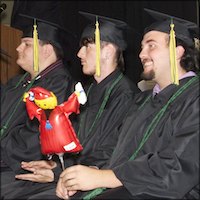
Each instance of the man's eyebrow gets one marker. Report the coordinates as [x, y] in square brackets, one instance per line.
[147, 41]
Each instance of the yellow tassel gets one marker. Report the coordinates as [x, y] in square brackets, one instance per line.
[173, 61]
[97, 42]
[35, 48]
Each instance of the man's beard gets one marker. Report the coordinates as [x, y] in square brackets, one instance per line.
[150, 75]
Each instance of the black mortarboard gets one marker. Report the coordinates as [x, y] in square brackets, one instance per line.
[111, 30]
[48, 31]
[184, 30]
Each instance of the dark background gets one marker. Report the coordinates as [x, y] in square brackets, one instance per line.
[66, 14]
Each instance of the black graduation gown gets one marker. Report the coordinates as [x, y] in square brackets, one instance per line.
[167, 165]
[96, 134]
[98, 144]
[20, 141]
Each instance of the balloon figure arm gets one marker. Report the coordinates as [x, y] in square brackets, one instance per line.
[71, 105]
[76, 98]
[33, 110]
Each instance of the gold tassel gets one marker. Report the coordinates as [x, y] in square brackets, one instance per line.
[35, 48]
[173, 61]
[97, 42]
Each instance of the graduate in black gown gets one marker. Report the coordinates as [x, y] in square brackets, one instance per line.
[109, 97]
[157, 155]
[20, 135]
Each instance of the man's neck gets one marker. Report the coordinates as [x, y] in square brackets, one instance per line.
[157, 88]
[44, 69]
[105, 71]
[167, 81]
[103, 76]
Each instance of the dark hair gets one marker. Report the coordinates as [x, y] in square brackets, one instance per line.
[119, 52]
[120, 59]
[190, 59]
[58, 51]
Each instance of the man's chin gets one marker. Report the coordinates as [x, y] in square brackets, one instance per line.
[147, 76]
[18, 62]
[88, 73]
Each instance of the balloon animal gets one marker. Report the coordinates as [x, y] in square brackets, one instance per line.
[57, 135]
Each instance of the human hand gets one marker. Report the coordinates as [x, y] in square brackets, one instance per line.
[78, 177]
[62, 192]
[42, 171]
[40, 164]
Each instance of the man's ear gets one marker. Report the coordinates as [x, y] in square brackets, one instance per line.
[109, 50]
[179, 51]
[47, 49]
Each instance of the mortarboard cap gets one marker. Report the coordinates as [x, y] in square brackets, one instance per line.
[111, 30]
[185, 30]
[48, 31]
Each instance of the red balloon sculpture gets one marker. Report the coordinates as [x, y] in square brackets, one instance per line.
[57, 135]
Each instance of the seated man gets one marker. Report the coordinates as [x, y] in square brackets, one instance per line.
[19, 135]
[157, 155]
[109, 98]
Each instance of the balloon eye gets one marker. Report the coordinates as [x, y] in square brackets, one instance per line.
[31, 96]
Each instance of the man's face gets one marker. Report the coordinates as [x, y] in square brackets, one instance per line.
[155, 56]
[25, 54]
[87, 55]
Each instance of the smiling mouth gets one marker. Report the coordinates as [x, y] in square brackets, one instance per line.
[147, 64]
[147, 67]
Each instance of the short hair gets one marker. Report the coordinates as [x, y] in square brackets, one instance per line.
[190, 59]
[58, 51]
